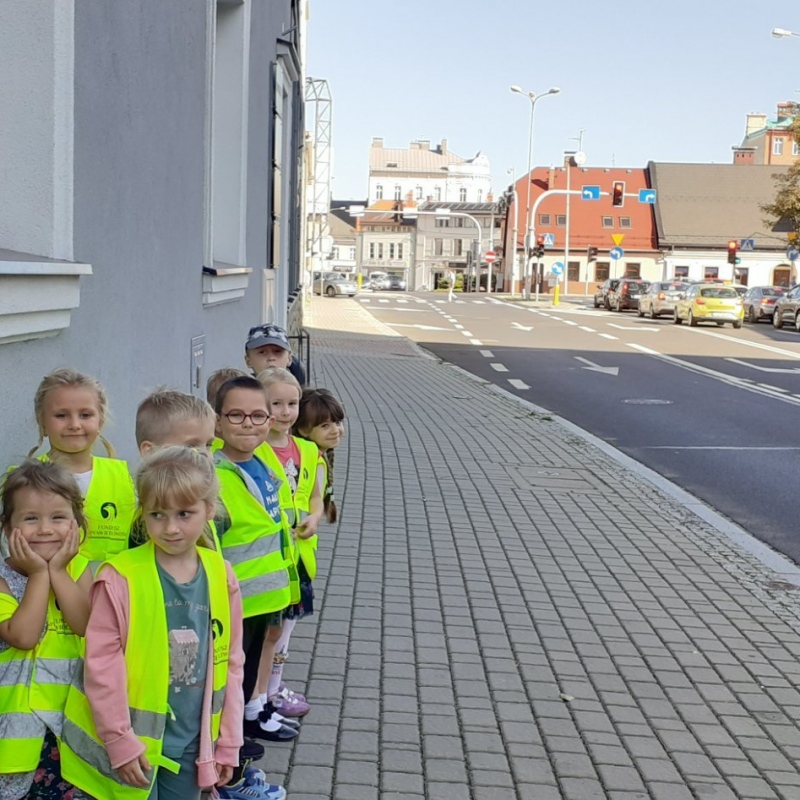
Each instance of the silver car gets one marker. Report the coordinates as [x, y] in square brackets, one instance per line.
[335, 284]
[661, 298]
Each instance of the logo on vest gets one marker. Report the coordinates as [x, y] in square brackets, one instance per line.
[108, 510]
[217, 628]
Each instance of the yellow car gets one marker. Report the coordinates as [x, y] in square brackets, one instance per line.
[710, 303]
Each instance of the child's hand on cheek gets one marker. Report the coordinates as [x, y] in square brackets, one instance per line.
[67, 551]
[23, 557]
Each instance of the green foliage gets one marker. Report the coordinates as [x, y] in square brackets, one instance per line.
[783, 213]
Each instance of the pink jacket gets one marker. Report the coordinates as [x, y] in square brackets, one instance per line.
[105, 680]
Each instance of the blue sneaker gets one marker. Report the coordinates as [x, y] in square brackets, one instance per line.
[251, 787]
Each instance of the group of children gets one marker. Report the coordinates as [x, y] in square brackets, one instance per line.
[144, 624]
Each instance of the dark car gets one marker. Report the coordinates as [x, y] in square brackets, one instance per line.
[394, 283]
[787, 309]
[759, 302]
[626, 294]
[601, 295]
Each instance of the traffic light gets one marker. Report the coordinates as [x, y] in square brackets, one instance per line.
[591, 254]
[539, 246]
[733, 248]
[618, 194]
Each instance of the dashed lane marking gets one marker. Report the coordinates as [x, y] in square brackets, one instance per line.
[499, 368]
[609, 336]
[587, 329]
[518, 384]
[476, 342]
[468, 334]
[487, 353]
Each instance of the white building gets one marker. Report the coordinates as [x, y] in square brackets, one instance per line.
[424, 174]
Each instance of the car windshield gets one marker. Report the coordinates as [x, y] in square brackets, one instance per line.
[673, 287]
[722, 291]
[772, 291]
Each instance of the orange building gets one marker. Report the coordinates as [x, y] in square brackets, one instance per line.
[577, 224]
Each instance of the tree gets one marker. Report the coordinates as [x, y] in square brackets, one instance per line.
[783, 213]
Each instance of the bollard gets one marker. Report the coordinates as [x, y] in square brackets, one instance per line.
[555, 294]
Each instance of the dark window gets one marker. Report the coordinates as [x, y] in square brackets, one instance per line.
[625, 222]
[544, 219]
[573, 271]
[601, 271]
[709, 273]
[561, 220]
[608, 222]
[633, 270]
[681, 272]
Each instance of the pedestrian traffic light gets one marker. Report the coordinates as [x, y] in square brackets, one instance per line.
[733, 248]
[539, 246]
[591, 254]
[618, 194]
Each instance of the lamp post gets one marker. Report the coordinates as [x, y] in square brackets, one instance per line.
[533, 97]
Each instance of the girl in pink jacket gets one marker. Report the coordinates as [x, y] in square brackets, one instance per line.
[172, 577]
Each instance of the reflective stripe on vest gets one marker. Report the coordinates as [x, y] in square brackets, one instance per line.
[84, 760]
[254, 546]
[34, 685]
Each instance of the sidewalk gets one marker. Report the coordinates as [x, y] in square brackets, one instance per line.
[507, 613]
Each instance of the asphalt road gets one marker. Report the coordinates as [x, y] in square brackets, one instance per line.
[715, 410]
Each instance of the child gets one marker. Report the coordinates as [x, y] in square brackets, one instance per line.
[71, 410]
[255, 537]
[44, 607]
[217, 378]
[163, 665]
[267, 347]
[295, 463]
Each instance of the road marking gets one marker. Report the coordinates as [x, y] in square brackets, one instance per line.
[476, 342]
[590, 365]
[468, 334]
[788, 353]
[783, 371]
[460, 327]
[364, 300]
[421, 327]
[498, 368]
[774, 388]
[487, 353]
[609, 336]
[401, 300]
[518, 384]
[568, 322]
[588, 330]
[712, 447]
[382, 300]
[521, 327]
[479, 302]
[438, 301]
[632, 328]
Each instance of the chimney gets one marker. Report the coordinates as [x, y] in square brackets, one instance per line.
[551, 178]
[424, 144]
[744, 156]
[443, 147]
[414, 146]
[490, 198]
[785, 111]
[377, 141]
[755, 122]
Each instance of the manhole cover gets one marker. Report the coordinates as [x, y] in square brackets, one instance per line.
[783, 586]
[646, 401]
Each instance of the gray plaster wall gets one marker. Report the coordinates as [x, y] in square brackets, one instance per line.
[139, 168]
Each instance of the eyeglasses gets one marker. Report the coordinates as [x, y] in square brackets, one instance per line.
[238, 417]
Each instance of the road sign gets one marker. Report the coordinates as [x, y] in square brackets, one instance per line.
[616, 253]
[617, 238]
[647, 196]
[747, 245]
[792, 253]
[558, 268]
[590, 193]
[489, 257]
[549, 239]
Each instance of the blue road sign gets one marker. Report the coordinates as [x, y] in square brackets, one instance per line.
[792, 253]
[616, 253]
[549, 239]
[590, 193]
[647, 196]
[558, 268]
[747, 245]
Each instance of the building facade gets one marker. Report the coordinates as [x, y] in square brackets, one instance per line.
[150, 208]
[769, 141]
[424, 174]
[386, 242]
[344, 237]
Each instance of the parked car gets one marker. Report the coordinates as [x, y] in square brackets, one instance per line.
[600, 296]
[395, 283]
[377, 280]
[334, 284]
[787, 309]
[626, 294]
[759, 302]
[661, 298]
[705, 302]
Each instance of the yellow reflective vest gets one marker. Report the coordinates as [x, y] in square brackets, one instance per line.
[34, 685]
[300, 503]
[84, 761]
[254, 544]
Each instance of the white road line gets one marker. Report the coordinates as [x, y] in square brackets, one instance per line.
[568, 322]
[476, 342]
[401, 300]
[459, 327]
[518, 384]
[588, 330]
[498, 368]
[639, 328]
[438, 301]
[788, 353]
[774, 388]
[479, 302]
[712, 447]
[609, 336]
[381, 300]
[468, 334]
[364, 300]
[487, 353]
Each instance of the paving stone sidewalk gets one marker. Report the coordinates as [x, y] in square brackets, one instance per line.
[505, 613]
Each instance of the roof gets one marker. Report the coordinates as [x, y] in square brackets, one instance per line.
[468, 208]
[782, 124]
[701, 205]
[411, 160]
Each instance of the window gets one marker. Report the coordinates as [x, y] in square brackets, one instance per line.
[462, 195]
[573, 270]
[625, 222]
[458, 222]
[741, 276]
[442, 223]
[372, 249]
[709, 273]
[437, 193]
[795, 149]
[633, 270]
[379, 192]
[380, 249]
[391, 164]
[600, 271]
[544, 219]
[777, 147]
[335, 253]
[561, 220]
[391, 251]
[480, 195]
[438, 247]
[400, 251]
[398, 192]
[419, 193]
[681, 272]
[352, 254]
[458, 247]
[608, 222]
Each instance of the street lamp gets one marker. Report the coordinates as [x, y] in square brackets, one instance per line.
[533, 97]
[782, 33]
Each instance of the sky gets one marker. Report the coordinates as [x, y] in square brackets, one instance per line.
[646, 80]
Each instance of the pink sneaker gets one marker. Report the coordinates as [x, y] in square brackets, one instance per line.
[283, 689]
[289, 706]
